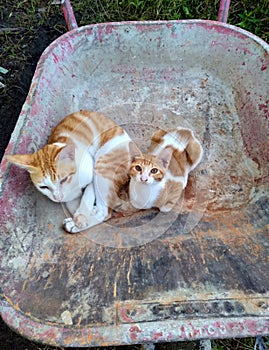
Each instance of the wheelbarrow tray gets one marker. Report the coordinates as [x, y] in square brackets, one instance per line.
[198, 272]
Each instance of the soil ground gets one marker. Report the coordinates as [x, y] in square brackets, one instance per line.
[21, 70]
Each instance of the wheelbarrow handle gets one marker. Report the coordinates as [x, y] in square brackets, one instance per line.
[72, 23]
[69, 16]
[223, 10]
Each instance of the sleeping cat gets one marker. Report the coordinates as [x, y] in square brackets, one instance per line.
[85, 164]
[158, 178]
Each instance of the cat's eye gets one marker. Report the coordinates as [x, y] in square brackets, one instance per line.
[154, 171]
[138, 168]
[64, 180]
[44, 187]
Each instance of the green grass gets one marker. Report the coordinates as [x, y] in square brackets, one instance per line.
[23, 18]
[250, 15]
[255, 21]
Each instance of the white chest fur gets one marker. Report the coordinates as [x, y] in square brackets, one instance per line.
[144, 196]
[84, 163]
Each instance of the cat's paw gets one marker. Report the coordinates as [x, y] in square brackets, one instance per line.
[76, 224]
[70, 226]
[166, 208]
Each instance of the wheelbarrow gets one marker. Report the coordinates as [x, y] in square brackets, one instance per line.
[199, 272]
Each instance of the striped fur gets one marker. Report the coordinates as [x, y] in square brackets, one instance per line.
[158, 178]
[85, 163]
[89, 162]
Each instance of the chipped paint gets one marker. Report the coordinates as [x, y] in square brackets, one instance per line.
[106, 286]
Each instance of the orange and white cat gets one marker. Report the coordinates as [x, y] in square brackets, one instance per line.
[158, 178]
[91, 164]
[85, 164]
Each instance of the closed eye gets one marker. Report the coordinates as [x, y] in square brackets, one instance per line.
[44, 187]
[64, 180]
[154, 171]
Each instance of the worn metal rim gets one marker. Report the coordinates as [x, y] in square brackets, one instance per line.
[169, 330]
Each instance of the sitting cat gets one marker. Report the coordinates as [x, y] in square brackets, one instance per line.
[85, 163]
[158, 178]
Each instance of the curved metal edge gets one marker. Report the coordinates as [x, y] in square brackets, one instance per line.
[207, 24]
[129, 333]
[136, 333]
[224, 28]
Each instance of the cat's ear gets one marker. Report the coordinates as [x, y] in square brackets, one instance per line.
[165, 156]
[66, 152]
[25, 161]
[134, 151]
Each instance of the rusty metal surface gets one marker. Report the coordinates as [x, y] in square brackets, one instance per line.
[198, 272]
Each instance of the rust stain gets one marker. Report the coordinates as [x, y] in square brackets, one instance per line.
[14, 305]
[47, 256]
[50, 227]
[234, 231]
[24, 285]
[77, 263]
[115, 285]
[115, 289]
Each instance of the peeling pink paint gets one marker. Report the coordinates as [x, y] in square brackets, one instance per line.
[55, 58]
[264, 107]
[124, 315]
[223, 29]
[134, 331]
[157, 335]
[123, 329]
[153, 26]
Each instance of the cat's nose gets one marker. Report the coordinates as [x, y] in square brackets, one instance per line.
[58, 196]
[144, 178]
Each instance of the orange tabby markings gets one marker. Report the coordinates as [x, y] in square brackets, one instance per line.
[91, 163]
[64, 171]
[158, 178]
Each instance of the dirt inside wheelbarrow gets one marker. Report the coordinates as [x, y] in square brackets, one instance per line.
[14, 89]
[17, 81]
[12, 96]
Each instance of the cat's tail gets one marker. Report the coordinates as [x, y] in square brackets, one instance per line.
[180, 139]
[184, 140]
[192, 146]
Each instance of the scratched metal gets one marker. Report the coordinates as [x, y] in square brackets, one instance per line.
[198, 272]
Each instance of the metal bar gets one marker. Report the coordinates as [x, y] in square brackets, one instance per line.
[205, 344]
[260, 344]
[148, 346]
[134, 333]
[223, 10]
[69, 16]
[72, 23]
